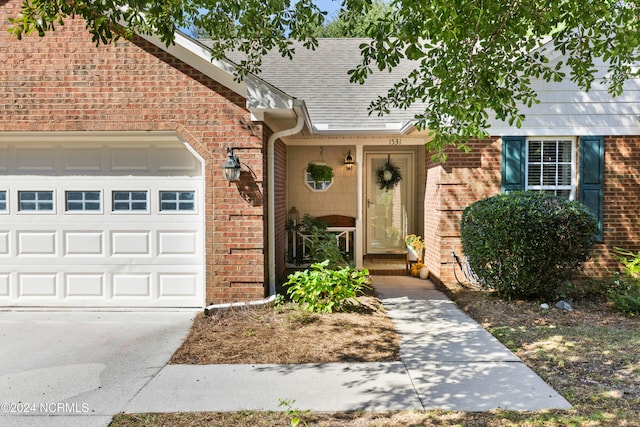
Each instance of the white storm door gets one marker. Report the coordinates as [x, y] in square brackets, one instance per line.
[389, 211]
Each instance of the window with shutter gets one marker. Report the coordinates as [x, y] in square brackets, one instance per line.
[549, 164]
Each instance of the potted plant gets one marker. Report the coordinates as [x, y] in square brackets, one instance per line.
[415, 246]
[320, 173]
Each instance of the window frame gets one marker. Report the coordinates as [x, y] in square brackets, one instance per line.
[84, 211]
[572, 188]
[147, 200]
[319, 186]
[177, 201]
[6, 202]
[36, 211]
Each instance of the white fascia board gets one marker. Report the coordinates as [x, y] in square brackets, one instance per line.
[576, 130]
[258, 93]
[396, 128]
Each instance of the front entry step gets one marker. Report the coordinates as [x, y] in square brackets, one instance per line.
[386, 264]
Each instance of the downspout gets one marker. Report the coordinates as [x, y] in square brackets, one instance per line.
[271, 197]
[271, 216]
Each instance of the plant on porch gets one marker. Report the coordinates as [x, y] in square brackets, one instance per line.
[415, 245]
[319, 172]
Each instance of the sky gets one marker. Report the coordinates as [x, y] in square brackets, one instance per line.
[331, 6]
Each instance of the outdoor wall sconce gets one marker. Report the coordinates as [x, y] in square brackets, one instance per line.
[231, 166]
[348, 161]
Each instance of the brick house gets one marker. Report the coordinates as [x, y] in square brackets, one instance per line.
[112, 192]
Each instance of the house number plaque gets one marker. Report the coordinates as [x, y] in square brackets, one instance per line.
[395, 141]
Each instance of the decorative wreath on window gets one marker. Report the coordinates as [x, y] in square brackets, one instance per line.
[388, 175]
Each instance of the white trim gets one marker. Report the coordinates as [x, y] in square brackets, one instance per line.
[96, 137]
[147, 200]
[177, 211]
[307, 181]
[258, 94]
[82, 211]
[7, 208]
[54, 201]
[577, 130]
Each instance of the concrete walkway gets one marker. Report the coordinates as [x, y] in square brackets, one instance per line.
[448, 362]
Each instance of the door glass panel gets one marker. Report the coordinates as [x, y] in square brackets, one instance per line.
[387, 209]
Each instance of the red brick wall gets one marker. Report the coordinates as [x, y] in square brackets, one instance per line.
[452, 186]
[621, 225]
[467, 177]
[63, 82]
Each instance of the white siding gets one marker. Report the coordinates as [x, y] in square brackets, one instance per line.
[566, 110]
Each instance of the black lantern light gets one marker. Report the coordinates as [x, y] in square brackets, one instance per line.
[231, 166]
[348, 161]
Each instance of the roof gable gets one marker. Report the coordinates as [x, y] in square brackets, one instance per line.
[321, 78]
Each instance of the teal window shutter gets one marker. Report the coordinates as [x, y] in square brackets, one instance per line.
[513, 163]
[591, 185]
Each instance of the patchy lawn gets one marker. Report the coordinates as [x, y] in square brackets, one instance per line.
[285, 335]
[590, 355]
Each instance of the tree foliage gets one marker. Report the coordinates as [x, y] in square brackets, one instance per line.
[349, 24]
[472, 57]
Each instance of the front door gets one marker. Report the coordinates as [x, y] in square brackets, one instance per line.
[389, 208]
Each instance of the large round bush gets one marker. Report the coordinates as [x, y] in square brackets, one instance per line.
[526, 244]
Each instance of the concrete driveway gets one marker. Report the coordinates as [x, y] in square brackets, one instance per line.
[79, 368]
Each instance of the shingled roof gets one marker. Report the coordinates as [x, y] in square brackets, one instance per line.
[320, 78]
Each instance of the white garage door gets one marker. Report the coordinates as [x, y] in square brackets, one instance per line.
[100, 221]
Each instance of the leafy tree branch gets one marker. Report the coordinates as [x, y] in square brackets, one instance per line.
[473, 59]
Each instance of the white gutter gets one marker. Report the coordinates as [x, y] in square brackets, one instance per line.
[298, 108]
[208, 309]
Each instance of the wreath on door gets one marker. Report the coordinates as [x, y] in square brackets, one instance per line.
[388, 175]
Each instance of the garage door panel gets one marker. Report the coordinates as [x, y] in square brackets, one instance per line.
[37, 285]
[4, 243]
[83, 243]
[37, 243]
[83, 285]
[177, 285]
[172, 160]
[130, 159]
[177, 243]
[131, 285]
[127, 243]
[77, 160]
[4, 159]
[35, 159]
[5, 289]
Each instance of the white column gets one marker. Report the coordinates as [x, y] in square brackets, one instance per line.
[359, 243]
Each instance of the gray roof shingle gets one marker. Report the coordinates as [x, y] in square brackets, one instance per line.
[320, 78]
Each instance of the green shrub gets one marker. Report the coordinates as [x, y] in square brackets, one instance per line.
[630, 261]
[526, 244]
[624, 294]
[627, 300]
[323, 290]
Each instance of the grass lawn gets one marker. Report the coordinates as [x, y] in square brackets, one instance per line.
[590, 355]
